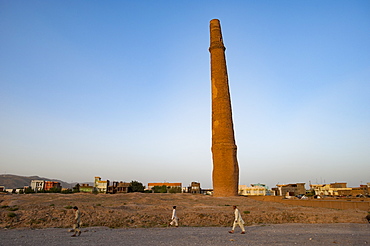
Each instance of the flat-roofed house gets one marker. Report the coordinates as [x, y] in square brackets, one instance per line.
[290, 189]
[118, 187]
[252, 190]
[52, 184]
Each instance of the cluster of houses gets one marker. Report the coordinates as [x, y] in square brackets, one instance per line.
[36, 185]
[340, 189]
[105, 186]
[285, 190]
[321, 190]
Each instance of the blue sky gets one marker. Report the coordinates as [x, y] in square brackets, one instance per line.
[121, 90]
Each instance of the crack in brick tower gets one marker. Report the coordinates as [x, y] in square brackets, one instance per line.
[225, 175]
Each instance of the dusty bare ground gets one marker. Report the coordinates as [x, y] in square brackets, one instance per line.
[139, 210]
[277, 234]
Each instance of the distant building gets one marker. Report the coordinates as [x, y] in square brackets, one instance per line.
[207, 191]
[339, 189]
[37, 185]
[52, 184]
[365, 190]
[2, 188]
[168, 185]
[118, 187]
[100, 185]
[194, 188]
[329, 189]
[290, 189]
[254, 190]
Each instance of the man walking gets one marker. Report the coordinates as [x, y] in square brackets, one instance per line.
[174, 218]
[238, 220]
[77, 221]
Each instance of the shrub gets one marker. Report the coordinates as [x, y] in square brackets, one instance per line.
[160, 189]
[67, 191]
[11, 215]
[175, 190]
[55, 190]
[15, 208]
[28, 190]
[68, 207]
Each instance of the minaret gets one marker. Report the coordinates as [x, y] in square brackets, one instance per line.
[225, 174]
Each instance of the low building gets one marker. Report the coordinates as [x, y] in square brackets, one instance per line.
[287, 190]
[52, 185]
[118, 187]
[253, 190]
[365, 190]
[333, 189]
[339, 189]
[208, 191]
[168, 185]
[2, 188]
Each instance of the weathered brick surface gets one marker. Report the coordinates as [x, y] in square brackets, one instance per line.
[225, 165]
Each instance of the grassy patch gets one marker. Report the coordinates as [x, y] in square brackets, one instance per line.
[15, 208]
[11, 215]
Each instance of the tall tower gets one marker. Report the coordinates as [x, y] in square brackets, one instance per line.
[225, 174]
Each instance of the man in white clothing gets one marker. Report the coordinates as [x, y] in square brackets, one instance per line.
[174, 218]
[238, 220]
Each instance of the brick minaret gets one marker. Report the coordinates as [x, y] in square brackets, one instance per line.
[225, 174]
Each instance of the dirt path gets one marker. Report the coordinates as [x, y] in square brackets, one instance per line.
[278, 234]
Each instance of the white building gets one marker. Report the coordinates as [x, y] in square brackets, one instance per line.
[252, 191]
[37, 185]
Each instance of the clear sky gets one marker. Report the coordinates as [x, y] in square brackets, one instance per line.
[121, 90]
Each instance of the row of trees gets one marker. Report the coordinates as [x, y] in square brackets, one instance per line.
[136, 186]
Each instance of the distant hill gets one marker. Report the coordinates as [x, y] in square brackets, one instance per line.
[14, 181]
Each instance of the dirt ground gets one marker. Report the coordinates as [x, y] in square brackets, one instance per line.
[141, 210]
[276, 234]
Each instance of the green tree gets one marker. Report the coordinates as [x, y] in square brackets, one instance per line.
[174, 190]
[160, 189]
[136, 186]
[29, 190]
[55, 190]
[76, 188]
